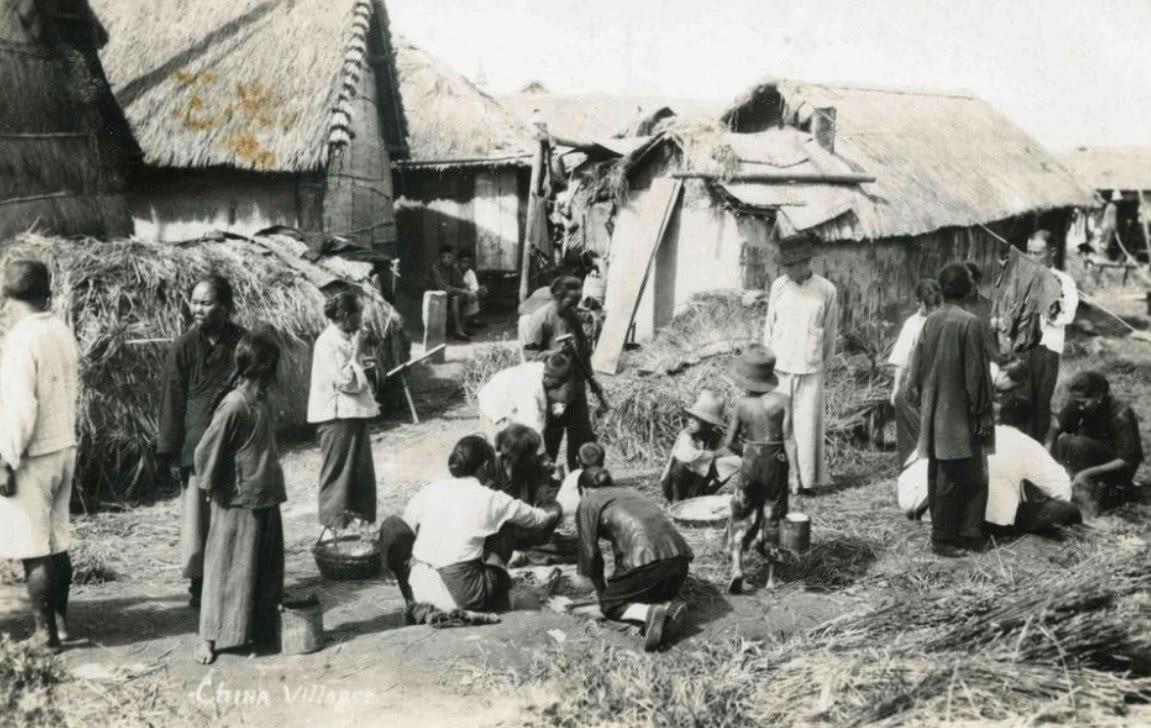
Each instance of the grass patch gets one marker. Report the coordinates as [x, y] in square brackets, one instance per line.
[28, 682]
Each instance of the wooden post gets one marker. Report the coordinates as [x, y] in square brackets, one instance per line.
[532, 222]
[435, 314]
[408, 396]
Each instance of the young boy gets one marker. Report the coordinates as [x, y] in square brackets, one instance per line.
[691, 468]
[591, 455]
[238, 466]
[762, 420]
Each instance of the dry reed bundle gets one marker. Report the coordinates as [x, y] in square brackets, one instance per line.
[112, 294]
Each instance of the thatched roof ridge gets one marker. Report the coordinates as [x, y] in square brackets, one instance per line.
[1110, 168]
[253, 84]
[599, 116]
[65, 147]
[450, 120]
[940, 159]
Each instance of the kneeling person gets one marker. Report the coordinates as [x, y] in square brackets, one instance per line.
[651, 557]
[763, 420]
[451, 547]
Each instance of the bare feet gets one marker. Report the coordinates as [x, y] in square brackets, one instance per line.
[62, 628]
[41, 641]
[206, 652]
[735, 586]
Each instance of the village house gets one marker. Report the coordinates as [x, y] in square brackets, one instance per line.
[465, 180]
[65, 148]
[1119, 176]
[256, 113]
[895, 183]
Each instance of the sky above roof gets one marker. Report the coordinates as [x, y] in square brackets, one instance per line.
[1069, 73]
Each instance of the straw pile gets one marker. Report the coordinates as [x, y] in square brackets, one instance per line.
[695, 352]
[115, 293]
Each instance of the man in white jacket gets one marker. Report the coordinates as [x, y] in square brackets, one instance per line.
[526, 394]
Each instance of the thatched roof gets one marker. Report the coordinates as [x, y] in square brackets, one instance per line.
[253, 84]
[940, 160]
[65, 147]
[591, 117]
[1111, 168]
[450, 121]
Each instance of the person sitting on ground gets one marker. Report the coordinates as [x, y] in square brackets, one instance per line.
[527, 394]
[694, 467]
[1096, 437]
[929, 296]
[452, 545]
[472, 308]
[238, 466]
[1028, 491]
[651, 557]
[762, 420]
[591, 455]
[445, 275]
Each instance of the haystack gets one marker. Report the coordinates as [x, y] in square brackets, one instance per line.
[125, 300]
[65, 147]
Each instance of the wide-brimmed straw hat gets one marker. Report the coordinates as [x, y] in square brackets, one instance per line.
[795, 249]
[754, 370]
[708, 407]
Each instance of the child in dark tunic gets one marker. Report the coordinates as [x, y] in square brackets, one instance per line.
[238, 466]
[763, 420]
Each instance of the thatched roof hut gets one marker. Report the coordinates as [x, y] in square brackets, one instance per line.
[465, 181]
[259, 112]
[65, 148]
[940, 159]
[895, 183]
[591, 117]
[1106, 169]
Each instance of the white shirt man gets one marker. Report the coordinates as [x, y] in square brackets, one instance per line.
[1017, 457]
[514, 395]
[801, 328]
[1043, 360]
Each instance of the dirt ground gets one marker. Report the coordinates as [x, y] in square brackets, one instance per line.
[137, 634]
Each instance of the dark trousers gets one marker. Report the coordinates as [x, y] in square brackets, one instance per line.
[682, 483]
[1040, 513]
[576, 422]
[659, 581]
[1077, 452]
[1043, 371]
[906, 428]
[957, 496]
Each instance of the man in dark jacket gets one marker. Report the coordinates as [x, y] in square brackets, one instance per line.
[198, 368]
[949, 379]
[651, 557]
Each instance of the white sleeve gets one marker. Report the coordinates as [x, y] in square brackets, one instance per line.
[901, 352]
[1045, 472]
[1069, 300]
[414, 513]
[18, 405]
[505, 509]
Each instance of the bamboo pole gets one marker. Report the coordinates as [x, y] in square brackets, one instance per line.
[784, 177]
[532, 222]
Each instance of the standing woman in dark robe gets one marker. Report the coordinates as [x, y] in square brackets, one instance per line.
[199, 367]
[342, 403]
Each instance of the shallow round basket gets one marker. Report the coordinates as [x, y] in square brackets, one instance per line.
[348, 558]
[702, 512]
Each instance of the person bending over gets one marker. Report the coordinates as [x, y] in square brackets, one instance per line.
[451, 547]
[651, 557]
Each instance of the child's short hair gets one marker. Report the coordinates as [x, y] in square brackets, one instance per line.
[257, 356]
[595, 477]
[591, 454]
[1015, 412]
[469, 455]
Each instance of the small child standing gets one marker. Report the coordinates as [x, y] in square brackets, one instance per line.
[691, 468]
[237, 463]
[591, 455]
[762, 419]
[471, 310]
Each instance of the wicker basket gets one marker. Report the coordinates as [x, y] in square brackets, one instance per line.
[336, 563]
[302, 626]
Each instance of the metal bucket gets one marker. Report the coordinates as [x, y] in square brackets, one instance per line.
[795, 533]
[301, 626]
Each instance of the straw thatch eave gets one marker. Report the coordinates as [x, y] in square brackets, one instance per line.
[452, 122]
[940, 160]
[1111, 168]
[263, 85]
[593, 116]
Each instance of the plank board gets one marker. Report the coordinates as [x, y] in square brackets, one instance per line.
[638, 232]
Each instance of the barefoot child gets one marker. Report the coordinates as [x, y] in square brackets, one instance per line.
[238, 466]
[691, 468]
[762, 420]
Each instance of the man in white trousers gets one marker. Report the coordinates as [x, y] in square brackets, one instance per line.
[801, 327]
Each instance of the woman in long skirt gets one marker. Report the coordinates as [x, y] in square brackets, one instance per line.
[341, 402]
[238, 466]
